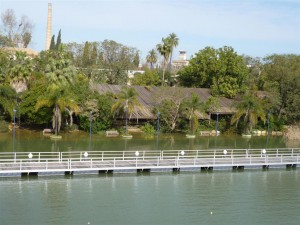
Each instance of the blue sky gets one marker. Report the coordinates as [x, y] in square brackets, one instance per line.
[251, 27]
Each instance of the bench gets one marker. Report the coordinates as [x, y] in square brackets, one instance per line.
[112, 133]
[47, 131]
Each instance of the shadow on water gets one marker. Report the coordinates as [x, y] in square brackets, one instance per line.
[28, 141]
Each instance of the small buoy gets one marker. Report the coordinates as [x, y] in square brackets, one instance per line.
[211, 213]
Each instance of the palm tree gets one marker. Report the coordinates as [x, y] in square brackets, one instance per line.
[174, 41]
[251, 109]
[126, 101]
[193, 106]
[7, 97]
[151, 58]
[164, 50]
[60, 100]
[19, 71]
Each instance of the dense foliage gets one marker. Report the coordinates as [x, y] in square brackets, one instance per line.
[222, 70]
[53, 89]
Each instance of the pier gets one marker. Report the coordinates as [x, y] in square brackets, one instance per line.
[76, 162]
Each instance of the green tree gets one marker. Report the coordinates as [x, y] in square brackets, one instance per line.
[19, 71]
[52, 43]
[149, 78]
[193, 106]
[58, 40]
[4, 65]
[86, 55]
[59, 99]
[173, 41]
[7, 100]
[281, 77]
[169, 104]
[251, 109]
[57, 67]
[222, 70]
[60, 74]
[164, 49]
[152, 58]
[136, 60]
[126, 102]
[29, 98]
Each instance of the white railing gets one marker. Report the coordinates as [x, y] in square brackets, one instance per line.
[110, 160]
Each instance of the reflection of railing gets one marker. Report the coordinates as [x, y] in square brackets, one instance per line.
[21, 162]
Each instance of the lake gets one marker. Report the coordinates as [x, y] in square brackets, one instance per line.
[218, 197]
[29, 141]
[249, 197]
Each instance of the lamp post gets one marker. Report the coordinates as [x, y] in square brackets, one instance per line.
[268, 123]
[14, 130]
[217, 124]
[126, 112]
[91, 124]
[157, 129]
[90, 131]
[158, 126]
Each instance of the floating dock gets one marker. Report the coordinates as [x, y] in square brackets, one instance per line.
[76, 162]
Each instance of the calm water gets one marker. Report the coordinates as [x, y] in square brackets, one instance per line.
[26, 141]
[249, 197]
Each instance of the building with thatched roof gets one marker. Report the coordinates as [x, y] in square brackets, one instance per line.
[149, 97]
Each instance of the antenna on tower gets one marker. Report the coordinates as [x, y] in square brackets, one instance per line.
[49, 26]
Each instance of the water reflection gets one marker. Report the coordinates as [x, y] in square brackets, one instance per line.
[35, 141]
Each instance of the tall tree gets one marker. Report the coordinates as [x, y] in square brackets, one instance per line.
[193, 106]
[60, 73]
[86, 55]
[16, 33]
[52, 43]
[60, 99]
[164, 49]
[173, 41]
[136, 60]
[58, 40]
[222, 70]
[151, 58]
[126, 102]
[19, 71]
[251, 109]
[281, 77]
[7, 100]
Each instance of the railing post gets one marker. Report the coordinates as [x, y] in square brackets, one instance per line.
[91, 163]
[21, 165]
[123, 155]
[136, 163]
[281, 159]
[114, 162]
[46, 164]
[250, 160]
[15, 160]
[157, 161]
[39, 157]
[102, 155]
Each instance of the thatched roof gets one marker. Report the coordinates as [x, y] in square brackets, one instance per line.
[151, 96]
